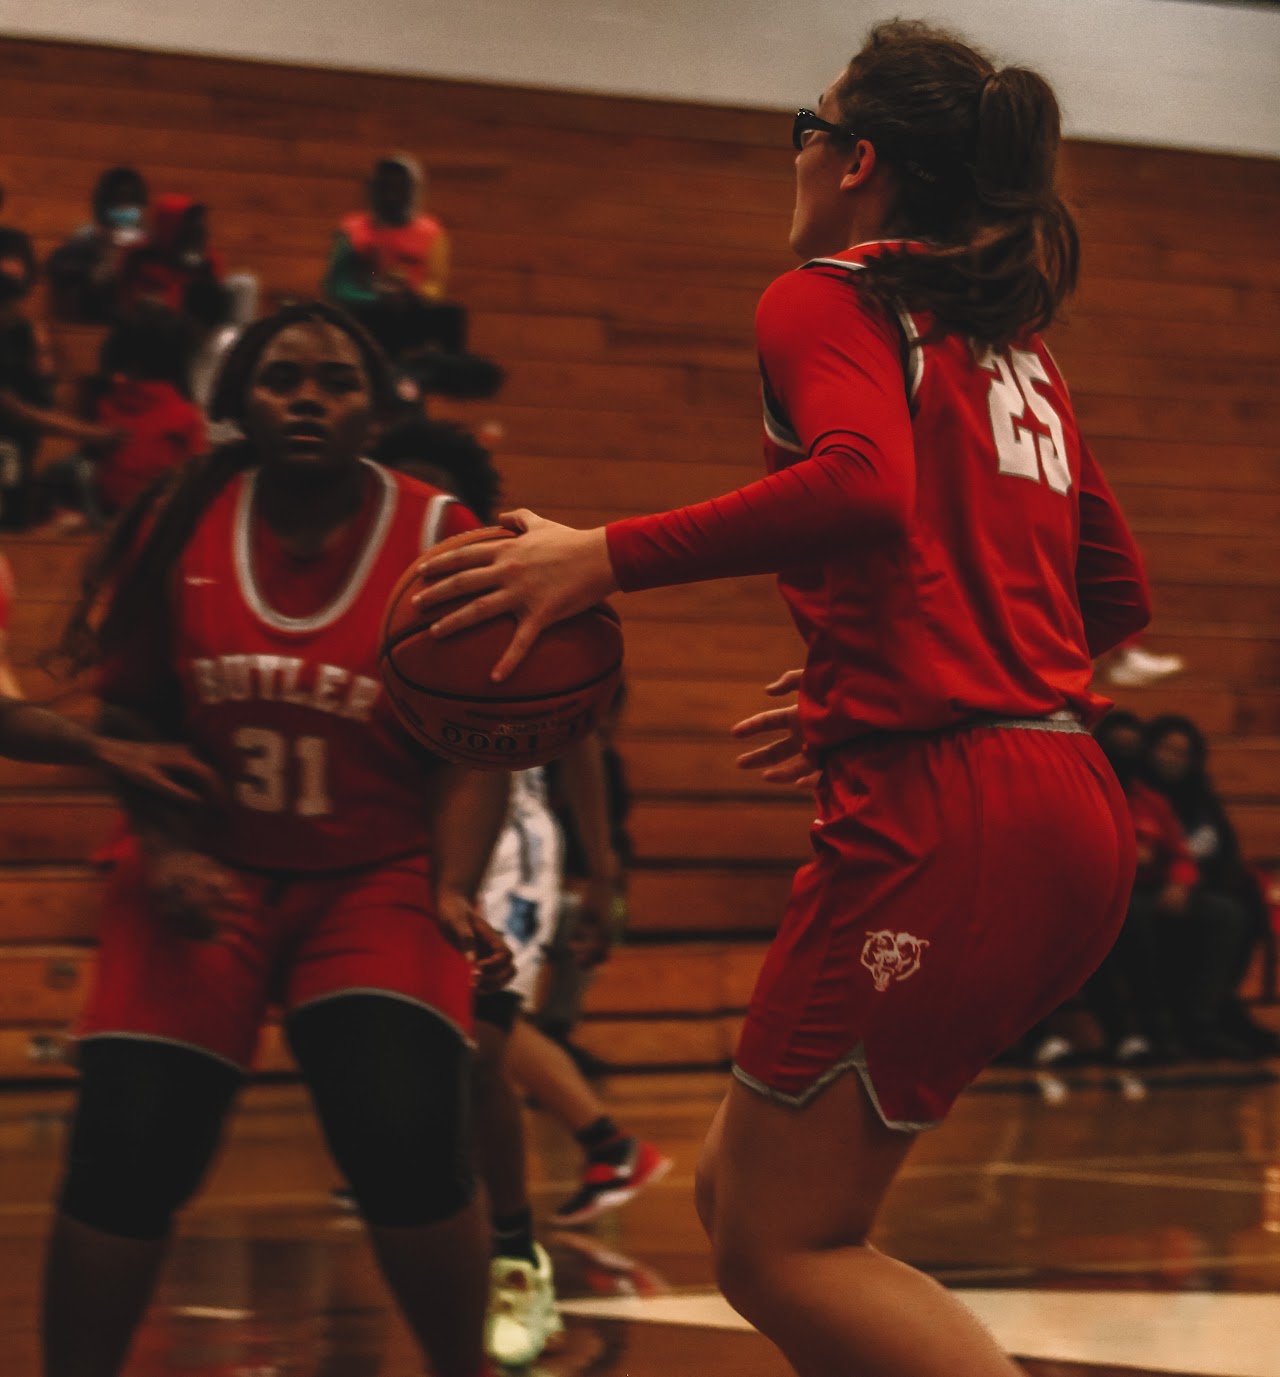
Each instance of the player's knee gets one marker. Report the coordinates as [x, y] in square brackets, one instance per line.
[391, 1083]
[140, 1144]
[744, 1270]
[408, 1175]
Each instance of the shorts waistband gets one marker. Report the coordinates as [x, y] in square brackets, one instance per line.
[1063, 721]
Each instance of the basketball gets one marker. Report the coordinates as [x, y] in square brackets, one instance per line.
[442, 692]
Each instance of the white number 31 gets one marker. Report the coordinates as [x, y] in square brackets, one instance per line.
[1022, 451]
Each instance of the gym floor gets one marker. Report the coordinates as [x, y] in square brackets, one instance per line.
[1099, 1226]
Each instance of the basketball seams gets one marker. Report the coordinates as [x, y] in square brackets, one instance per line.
[429, 692]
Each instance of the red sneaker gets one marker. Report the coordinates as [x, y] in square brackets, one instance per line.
[605, 1186]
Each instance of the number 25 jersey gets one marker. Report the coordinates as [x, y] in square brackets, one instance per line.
[945, 543]
[291, 709]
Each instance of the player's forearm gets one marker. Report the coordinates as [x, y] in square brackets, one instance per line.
[160, 824]
[586, 789]
[469, 811]
[28, 732]
[842, 496]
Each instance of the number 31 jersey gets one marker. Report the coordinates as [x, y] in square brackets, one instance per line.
[290, 709]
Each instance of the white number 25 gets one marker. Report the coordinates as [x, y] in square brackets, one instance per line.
[1022, 451]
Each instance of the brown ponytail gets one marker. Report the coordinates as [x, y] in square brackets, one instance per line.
[974, 151]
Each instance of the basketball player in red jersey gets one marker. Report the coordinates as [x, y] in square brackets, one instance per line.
[953, 559]
[244, 619]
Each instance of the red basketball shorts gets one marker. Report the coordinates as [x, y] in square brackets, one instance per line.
[305, 938]
[963, 885]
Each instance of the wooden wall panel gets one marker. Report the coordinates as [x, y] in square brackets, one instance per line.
[612, 252]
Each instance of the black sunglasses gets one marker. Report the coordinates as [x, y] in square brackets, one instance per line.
[806, 122]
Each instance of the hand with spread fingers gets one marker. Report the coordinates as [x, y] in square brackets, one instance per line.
[783, 761]
[165, 768]
[549, 573]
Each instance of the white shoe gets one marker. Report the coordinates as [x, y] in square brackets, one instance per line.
[1052, 1050]
[1134, 667]
[1132, 1048]
[522, 1316]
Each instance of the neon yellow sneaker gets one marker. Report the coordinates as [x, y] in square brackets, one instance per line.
[522, 1316]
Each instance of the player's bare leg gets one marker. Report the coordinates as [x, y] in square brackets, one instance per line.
[791, 1195]
[618, 1164]
[547, 1072]
[522, 1311]
[97, 1287]
[439, 1276]
[498, 1127]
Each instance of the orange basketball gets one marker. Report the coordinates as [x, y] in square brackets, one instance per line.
[442, 692]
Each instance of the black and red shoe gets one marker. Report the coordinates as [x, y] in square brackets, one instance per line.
[606, 1185]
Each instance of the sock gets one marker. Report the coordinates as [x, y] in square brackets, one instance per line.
[603, 1141]
[513, 1236]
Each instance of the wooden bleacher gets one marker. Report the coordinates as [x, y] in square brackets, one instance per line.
[612, 252]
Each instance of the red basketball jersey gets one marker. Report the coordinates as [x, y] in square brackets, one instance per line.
[291, 710]
[947, 546]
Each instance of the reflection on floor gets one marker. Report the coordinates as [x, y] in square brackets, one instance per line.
[1097, 1232]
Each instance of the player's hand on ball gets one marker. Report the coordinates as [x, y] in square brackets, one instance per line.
[193, 892]
[783, 761]
[550, 572]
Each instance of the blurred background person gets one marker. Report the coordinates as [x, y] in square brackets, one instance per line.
[84, 271]
[175, 265]
[1228, 914]
[141, 394]
[27, 412]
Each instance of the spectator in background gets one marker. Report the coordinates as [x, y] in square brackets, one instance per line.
[142, 396]
[84, 272]
[1229, 908]
[26, 388]
[175, 266]
[1134, 992]
[390, 265]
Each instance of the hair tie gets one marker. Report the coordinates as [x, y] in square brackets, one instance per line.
[987, 84]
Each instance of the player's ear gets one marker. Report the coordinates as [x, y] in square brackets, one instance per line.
[862, 164]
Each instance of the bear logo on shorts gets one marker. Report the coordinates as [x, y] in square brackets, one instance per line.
[891, 956]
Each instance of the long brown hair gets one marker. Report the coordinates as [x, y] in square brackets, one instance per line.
[131, 572]
[974, 151]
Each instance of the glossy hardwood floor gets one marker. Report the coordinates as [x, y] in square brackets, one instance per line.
[1106, 1228]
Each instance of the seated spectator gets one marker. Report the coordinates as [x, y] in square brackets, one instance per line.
[1231, 910]
[142, 394]
[390, 264]
[1134, 994]
[84, 272]
[26, 388]
[174, 266]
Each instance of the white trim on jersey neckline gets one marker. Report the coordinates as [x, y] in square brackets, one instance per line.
[242, 557]
[914, 347]
[433, 521]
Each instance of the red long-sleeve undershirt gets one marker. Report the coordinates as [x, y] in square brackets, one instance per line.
[835, 366]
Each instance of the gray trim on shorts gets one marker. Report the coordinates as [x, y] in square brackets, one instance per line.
[386, 994]
[171, 1042]
[1066, 722]
[854, 1061]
